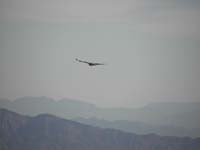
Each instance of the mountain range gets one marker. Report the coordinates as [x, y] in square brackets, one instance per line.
[141, 127]
[48, 132]
[176, 119]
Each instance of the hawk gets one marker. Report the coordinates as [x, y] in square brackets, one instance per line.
[89, 63]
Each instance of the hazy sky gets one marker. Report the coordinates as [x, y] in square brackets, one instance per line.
[152, 48]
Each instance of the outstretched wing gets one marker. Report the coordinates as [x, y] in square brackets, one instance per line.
[98, 64]
[82, 61]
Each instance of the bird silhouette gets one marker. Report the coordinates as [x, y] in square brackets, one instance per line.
[89, 63]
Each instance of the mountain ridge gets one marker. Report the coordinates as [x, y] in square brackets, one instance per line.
[184, 116]
[48, 132]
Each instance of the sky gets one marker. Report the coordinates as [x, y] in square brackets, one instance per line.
[151, 48]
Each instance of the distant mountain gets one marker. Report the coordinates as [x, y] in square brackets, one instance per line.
[140, 127]
[66, 108]
[168, 114]
[47, 132]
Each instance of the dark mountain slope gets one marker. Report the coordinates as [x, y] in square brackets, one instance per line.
[10, 122]
[46, 132]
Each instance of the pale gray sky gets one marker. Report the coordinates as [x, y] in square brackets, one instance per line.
[152, 48]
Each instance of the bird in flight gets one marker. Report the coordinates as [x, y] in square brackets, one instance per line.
[89, 63]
